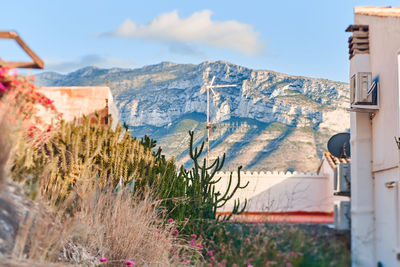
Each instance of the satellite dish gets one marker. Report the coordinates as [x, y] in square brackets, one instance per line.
[339, 145]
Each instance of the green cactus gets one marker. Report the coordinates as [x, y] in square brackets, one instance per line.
[200, 180]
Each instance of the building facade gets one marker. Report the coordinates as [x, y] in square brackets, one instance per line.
[374, 49]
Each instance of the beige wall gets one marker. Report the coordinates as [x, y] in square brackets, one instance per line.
[280, 192]
[375, 156]
[76, 101]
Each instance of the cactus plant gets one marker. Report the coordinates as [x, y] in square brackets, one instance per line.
[203, 199]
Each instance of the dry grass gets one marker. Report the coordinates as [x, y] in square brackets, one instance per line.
[5, 146]
[119, 232]
[108, 224]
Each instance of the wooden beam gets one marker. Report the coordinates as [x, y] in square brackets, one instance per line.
[37, 62]
[19, 64]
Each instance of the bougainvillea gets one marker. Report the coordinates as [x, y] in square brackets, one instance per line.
[20, 100]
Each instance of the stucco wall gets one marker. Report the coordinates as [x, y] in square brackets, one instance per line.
[280, 192]
[384, 42]
[378, 242]
[76, 101]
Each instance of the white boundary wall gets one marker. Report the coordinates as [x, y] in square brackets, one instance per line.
[279, 192]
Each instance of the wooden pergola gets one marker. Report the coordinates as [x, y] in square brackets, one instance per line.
[37, 63]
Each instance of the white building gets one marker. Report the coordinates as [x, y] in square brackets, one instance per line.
[374, 81]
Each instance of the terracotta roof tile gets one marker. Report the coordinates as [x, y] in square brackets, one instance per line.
[378, 11]
[333, 161]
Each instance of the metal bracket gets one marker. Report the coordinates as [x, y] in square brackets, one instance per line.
[397, 140]
[390, 184]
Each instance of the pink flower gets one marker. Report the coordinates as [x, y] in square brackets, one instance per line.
[199, 245]
[212, 258]
[224, 261]
[209, 264]
[186, 219]
[251, 259]
[209, 252]
[194, 236]
[249, 265]
[291, 253]
[129, 263]
[175, 232]
[2, 88]
[185, 261]
[219, 264]
[170, 220]
[102, 259]
[289, 264]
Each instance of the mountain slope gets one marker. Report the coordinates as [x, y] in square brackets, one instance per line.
[267, 121]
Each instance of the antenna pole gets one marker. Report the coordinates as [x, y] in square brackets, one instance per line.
[208, 125]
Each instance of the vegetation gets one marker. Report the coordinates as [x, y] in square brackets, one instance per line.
[104, 197]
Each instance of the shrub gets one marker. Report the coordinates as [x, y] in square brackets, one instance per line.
[275, 244]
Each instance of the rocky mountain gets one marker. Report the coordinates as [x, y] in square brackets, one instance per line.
[266, 121]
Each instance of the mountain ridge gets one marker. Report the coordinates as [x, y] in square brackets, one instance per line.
[280, 107]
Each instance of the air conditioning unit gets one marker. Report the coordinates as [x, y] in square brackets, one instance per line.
[364, 92]
[342, 215]
[341, 179]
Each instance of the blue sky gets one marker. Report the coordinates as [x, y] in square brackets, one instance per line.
[296, 37]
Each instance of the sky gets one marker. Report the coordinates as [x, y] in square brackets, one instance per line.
[305, 38]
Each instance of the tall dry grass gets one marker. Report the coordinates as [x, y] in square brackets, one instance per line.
[5, 145]
[117, 226]
[121, 227]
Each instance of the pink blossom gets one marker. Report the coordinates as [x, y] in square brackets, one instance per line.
[185, 261]
[219, 264]
[289, 264]
[199, 245]
[209, 264]
[129, 263]
[249, 265]
[175, 232]
[224, 261]
[102, 259]
[186, 219]
[2, 88]
[291, 253]
[251, 259]
[210, 252]
[194, 236]
[212, 258]
[170, 220]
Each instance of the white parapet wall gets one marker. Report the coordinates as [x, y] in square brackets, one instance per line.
[279, 192]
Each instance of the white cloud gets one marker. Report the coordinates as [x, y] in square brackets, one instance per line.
[198, 28]
[88, 60]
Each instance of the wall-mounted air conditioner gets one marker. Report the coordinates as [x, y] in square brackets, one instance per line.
[364, 92]
[342, 215]
[341, 179]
